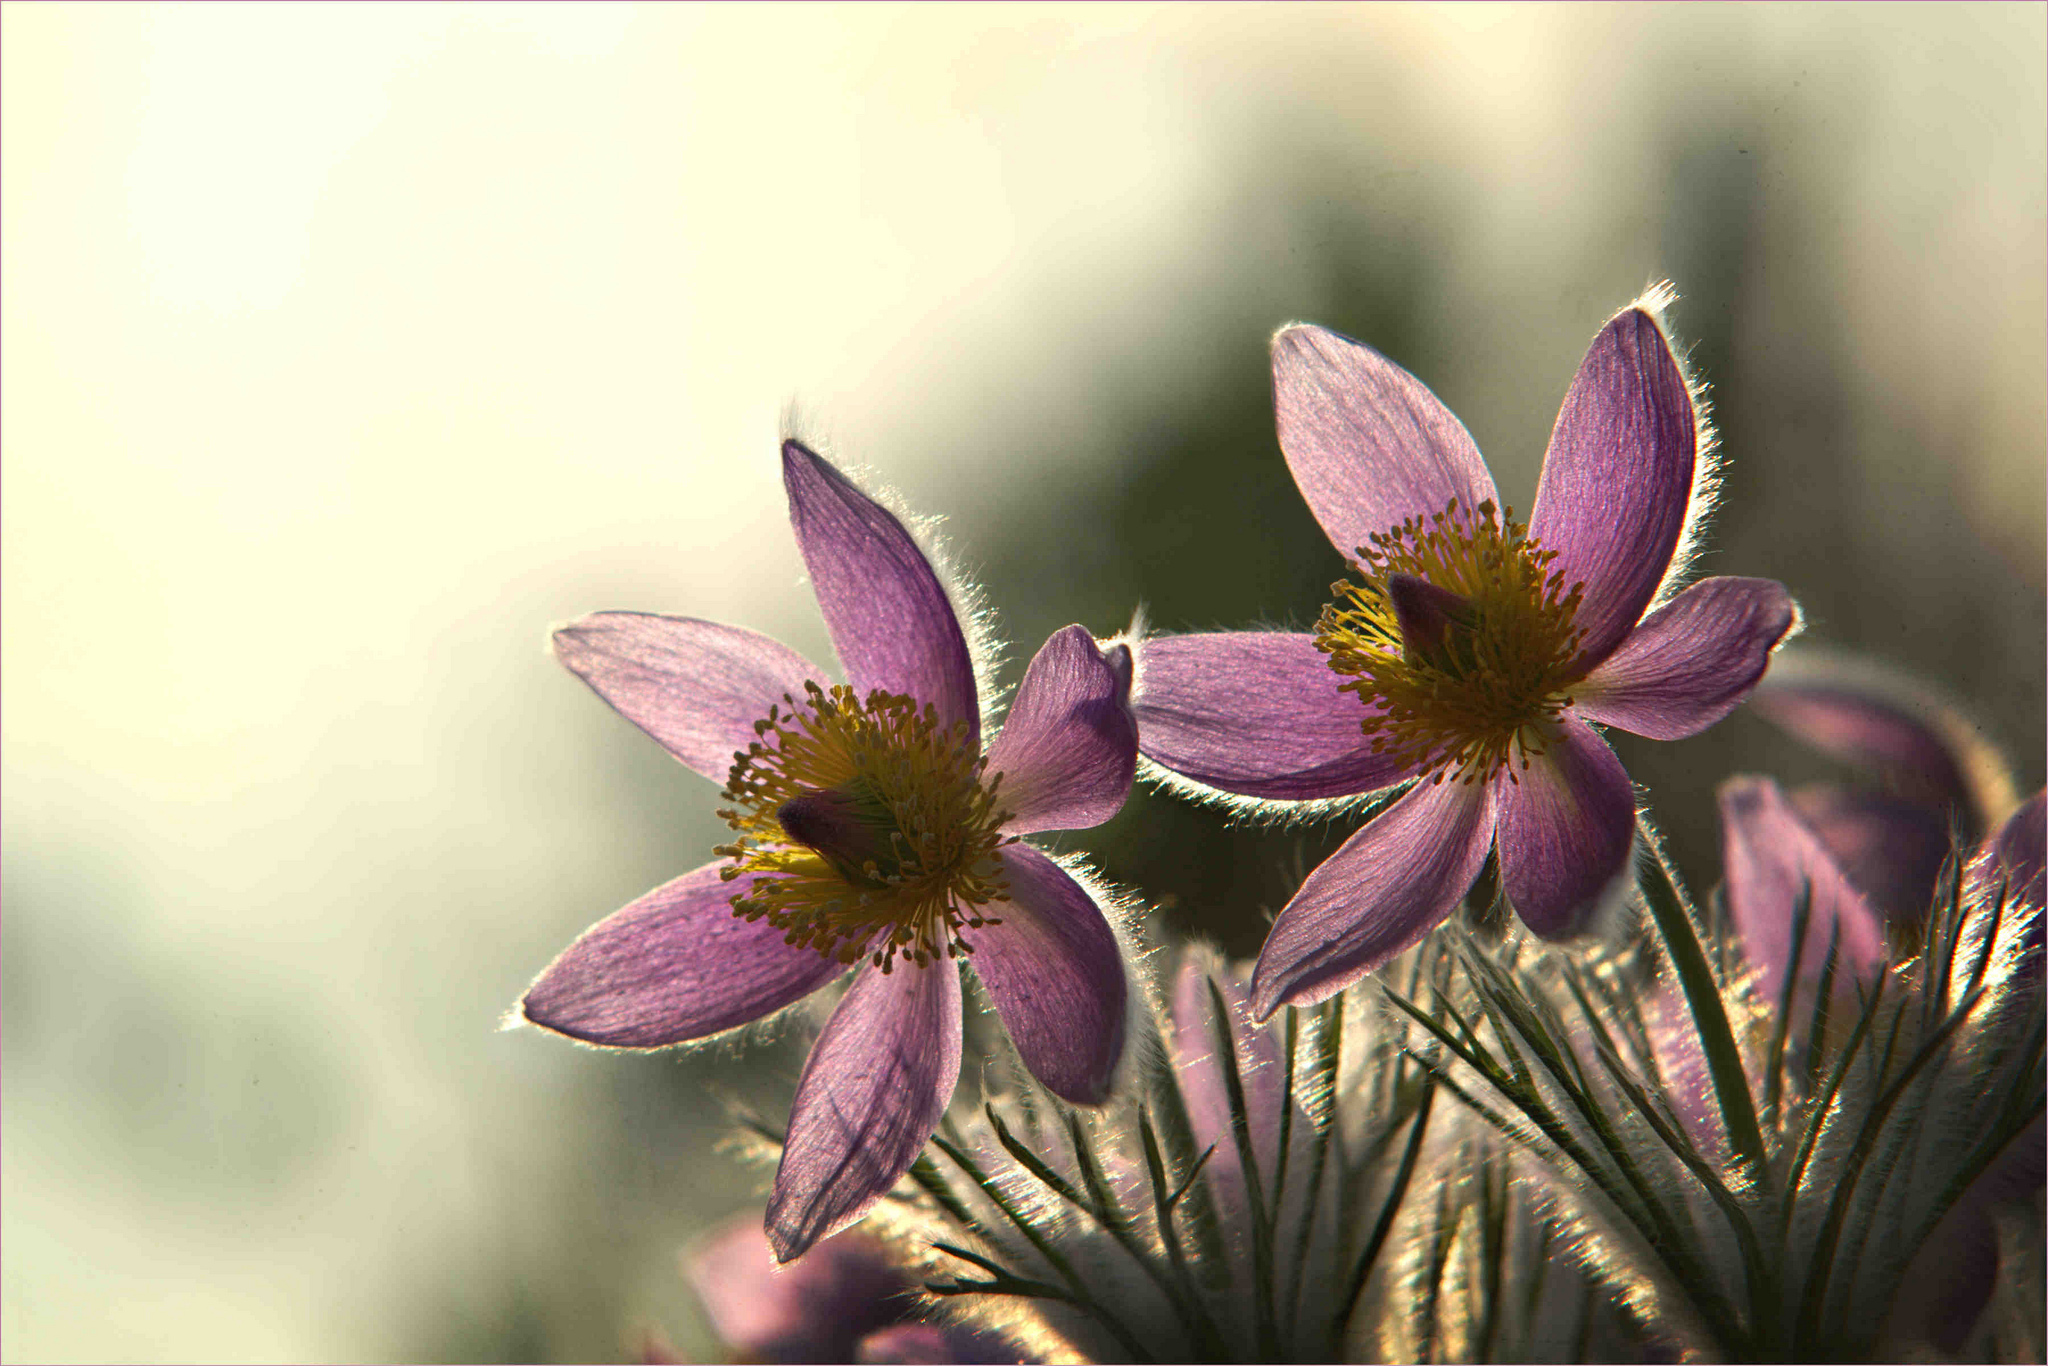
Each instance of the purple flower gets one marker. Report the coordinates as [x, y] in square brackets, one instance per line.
[846, 1301]
[1919, 745]
[1468, 651]
[1771, 858]
[1935, 768]
[871, 829]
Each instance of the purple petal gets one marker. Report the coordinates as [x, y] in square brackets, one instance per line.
[1069, 746]
[1200, 1073]
[1617, 480]
[1857, 712]
[878, 1078]
[1770, 860]
[890, 618]
[1890, 850]
[2018, 853]
[1256, 713]
[2013, 866]
[675, 965]
[1675, 1044]
[1566, 823]
[1385, 888]
[697, 687]
[1054, 971]
[815, 1309]
[1950, 1279]
[916, 1344]
[1370, 446]
[906, 1344]
[1689, 662]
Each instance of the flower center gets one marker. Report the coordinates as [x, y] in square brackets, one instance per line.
[870, 828]
[1458, 639]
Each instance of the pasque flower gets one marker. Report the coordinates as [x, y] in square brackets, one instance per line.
[1935, 772]
[872, 831]
[1782, 869]
[1468, 652]
[848, 1300]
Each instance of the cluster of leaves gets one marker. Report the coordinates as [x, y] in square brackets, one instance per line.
[1770, 1209]
[1129, 1238]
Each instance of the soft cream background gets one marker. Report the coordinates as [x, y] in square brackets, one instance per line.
[346, 348]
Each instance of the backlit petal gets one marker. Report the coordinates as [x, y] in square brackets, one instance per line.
[1617, 480]
[697, 687]
[1689, 662]
[1199, 1069]
[1770, 860]
[1890, 849]
[1054, 971]
[2010, 871]
[1256, 713]
[1069, 747]
[1385, 888]
[1922, 745]
[889, 616]
[815, 1309]
[878, 1078]
[1370, 446]
[1565, 826]
[675, 965]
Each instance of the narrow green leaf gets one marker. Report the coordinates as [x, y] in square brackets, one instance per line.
[1674, 919]
[1347, 1303]
[1248, 1162]
[1774, 1066]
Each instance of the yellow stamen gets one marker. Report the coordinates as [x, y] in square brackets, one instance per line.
[1478, 692]
[871, 829]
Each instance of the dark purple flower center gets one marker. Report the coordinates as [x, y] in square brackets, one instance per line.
[871, 830]
[1458, 639]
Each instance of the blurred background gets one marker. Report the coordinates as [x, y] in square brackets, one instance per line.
[347, 349]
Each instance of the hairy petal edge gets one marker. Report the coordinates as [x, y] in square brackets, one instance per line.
[877, 1081]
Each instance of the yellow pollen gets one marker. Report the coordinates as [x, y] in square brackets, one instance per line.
[1469, 688]
[871, 829]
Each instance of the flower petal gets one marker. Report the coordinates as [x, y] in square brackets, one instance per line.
[1368, 443]
[1199, 1070]
[675, 965]
[1890, 850]
[815, 1309]
[1385, 888]
[696, 686]
[1951, 1278]
[1770, 860]
[878, 1078]
[1056, 975]
[1860, 712]
[1566, 824]
[1689, 662]
[1256, 713]
[2019, 852]
[890, 618]
[2010, 871]
[916, 1343]
[1069, 747]
[1617, 480]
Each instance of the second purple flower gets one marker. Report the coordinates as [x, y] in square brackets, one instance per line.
[1467, 653]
